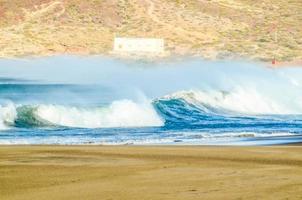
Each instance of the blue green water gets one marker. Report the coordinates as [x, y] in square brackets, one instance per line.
[73, 100]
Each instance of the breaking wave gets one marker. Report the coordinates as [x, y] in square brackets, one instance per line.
[238, 101]
[188, 101]
[8, 115]
[186, 109]
[124, 113]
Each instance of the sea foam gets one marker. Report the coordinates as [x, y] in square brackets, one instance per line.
[8, 114]
[123, 113]
[239, 100]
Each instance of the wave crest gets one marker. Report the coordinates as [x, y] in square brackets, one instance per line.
[124, 113]
[237, 101]
[8, 115]
[183, 109]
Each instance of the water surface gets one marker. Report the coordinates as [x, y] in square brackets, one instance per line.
[95, 100]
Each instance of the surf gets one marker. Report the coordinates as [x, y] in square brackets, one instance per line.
[123, 113]
[190, 101]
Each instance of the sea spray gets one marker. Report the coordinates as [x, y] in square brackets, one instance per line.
[123, 113]
[239, 100]
[7, 116]
[73, 100]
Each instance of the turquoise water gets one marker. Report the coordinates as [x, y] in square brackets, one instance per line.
[94, 100]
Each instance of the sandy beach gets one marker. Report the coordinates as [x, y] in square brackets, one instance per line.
[147, 172]
[150, 100]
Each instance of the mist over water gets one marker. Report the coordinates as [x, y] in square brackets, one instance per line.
[76, 100]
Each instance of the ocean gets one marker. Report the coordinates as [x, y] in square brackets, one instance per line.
[105, 101]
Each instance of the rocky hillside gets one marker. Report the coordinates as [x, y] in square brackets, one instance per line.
[256, 29]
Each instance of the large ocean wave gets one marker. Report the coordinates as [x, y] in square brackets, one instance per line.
[124, 113]
[110, 102]
[187, 109]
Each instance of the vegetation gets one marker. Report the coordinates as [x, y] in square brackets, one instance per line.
[256, 29]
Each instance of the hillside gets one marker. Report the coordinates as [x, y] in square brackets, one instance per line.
[255, 29]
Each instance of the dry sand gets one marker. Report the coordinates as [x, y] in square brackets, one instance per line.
[146, 172]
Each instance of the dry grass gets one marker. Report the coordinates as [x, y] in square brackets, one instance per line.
[209, 28]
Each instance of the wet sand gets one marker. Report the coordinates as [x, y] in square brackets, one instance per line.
[147, 172]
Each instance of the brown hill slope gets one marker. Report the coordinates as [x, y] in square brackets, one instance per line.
[209, 28]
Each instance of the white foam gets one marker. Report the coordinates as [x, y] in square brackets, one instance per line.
[8, 114]
[240, 100]
[124, 113]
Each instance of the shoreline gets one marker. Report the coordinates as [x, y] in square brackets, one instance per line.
[290, 144]
[150, 172]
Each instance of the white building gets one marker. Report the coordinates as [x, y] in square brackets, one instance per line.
[139, 46]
